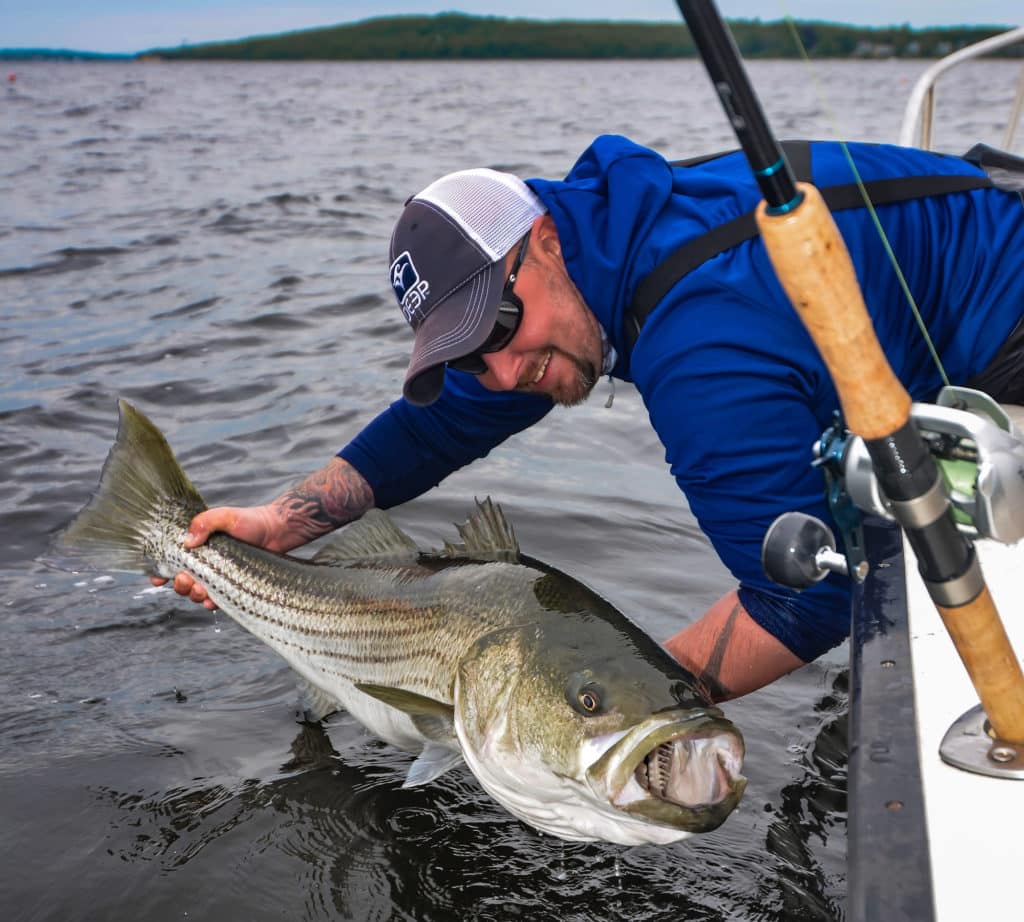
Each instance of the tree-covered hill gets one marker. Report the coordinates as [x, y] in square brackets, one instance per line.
[454, 35]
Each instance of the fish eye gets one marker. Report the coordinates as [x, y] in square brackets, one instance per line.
[588, 699]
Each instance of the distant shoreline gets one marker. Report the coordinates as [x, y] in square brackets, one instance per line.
[455, 36]
[60, 54]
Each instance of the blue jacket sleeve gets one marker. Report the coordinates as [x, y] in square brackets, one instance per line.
[407, 450]
[738, 396]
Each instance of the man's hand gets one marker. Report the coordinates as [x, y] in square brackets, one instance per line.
[325, 500]
[257, 525]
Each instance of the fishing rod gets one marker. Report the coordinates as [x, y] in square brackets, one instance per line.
[815, 270]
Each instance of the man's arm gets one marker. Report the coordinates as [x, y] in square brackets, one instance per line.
[404, 451]
[325, 500]
[729, 653]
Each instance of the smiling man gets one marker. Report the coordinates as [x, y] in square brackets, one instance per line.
[522, 294]
[466, 306]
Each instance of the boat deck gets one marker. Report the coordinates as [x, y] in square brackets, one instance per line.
[974, 822]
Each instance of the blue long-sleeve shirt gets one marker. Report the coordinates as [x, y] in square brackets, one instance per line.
[734, 386]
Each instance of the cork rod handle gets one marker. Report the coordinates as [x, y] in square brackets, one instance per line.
[814, 267]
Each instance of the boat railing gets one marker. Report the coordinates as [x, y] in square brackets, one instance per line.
[916, 129]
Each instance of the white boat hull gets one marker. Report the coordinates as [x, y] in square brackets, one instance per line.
[975, 823]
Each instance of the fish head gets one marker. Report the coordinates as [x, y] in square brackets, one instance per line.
[587, 729]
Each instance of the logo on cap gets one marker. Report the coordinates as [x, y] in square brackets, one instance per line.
[411, 291]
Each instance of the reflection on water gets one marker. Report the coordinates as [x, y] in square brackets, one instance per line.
[208, 241]
[364, 848]
[811, 811]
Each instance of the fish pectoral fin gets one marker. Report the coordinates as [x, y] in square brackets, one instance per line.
[373, 538]
[434, 719]
[433, 762]
[486, 534]
[409, 701]
[436, 727]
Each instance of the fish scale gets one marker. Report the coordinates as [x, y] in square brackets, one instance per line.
[333, 618]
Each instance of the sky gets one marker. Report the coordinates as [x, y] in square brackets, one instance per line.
[138, 25]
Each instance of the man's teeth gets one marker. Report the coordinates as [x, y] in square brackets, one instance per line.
[542, 369]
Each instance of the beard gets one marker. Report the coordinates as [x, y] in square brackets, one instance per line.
[582, 385]
[581, 334]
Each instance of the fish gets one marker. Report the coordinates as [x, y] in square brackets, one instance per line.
[570, 716]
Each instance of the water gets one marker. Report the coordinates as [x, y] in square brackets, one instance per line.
[208, 241]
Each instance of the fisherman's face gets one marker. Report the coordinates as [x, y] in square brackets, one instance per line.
[557, 348]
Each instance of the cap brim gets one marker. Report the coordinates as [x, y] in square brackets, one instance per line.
[455, 327]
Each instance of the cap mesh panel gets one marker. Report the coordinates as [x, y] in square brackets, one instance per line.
[493, 208]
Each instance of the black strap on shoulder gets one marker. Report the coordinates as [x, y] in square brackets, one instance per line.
[984, 155]
[798, 153]
[663, 277]
[1005, 170]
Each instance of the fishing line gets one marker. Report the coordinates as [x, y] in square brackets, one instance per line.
[830, 116]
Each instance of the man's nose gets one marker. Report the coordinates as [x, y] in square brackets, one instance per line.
[502, 370]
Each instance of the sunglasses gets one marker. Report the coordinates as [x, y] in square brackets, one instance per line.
[510, 313]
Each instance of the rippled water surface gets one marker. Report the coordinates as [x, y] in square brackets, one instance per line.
[209, 241]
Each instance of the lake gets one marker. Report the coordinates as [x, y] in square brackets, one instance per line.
[209, 241]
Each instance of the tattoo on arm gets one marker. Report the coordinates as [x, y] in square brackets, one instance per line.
[708, 681]
[327, 499]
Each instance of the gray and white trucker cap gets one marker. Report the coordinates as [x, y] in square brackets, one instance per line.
[447, 266]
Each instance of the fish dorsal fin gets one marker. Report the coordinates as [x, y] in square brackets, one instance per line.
[486, 534]
[375, 538]
[434, 719]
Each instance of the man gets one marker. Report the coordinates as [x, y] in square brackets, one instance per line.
[522, 294]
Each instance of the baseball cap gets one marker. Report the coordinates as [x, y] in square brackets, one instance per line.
[447, 266]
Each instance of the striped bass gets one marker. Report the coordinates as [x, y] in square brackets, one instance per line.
[567, 713]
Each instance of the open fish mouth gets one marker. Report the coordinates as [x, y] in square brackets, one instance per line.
[680, 769]
[692, 770]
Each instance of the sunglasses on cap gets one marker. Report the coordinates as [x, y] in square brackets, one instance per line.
[510, 313]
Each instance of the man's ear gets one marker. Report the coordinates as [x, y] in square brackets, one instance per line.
[545, 233]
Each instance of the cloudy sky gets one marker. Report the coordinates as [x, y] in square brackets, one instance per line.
[136, 25]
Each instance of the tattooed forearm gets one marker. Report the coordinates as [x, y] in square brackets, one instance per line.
[729, 653]
[325, 500]
[709, 678]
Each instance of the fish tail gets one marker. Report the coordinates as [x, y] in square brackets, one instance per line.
[142, 493]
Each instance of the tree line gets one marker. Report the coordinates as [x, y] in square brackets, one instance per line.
[459, 36]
